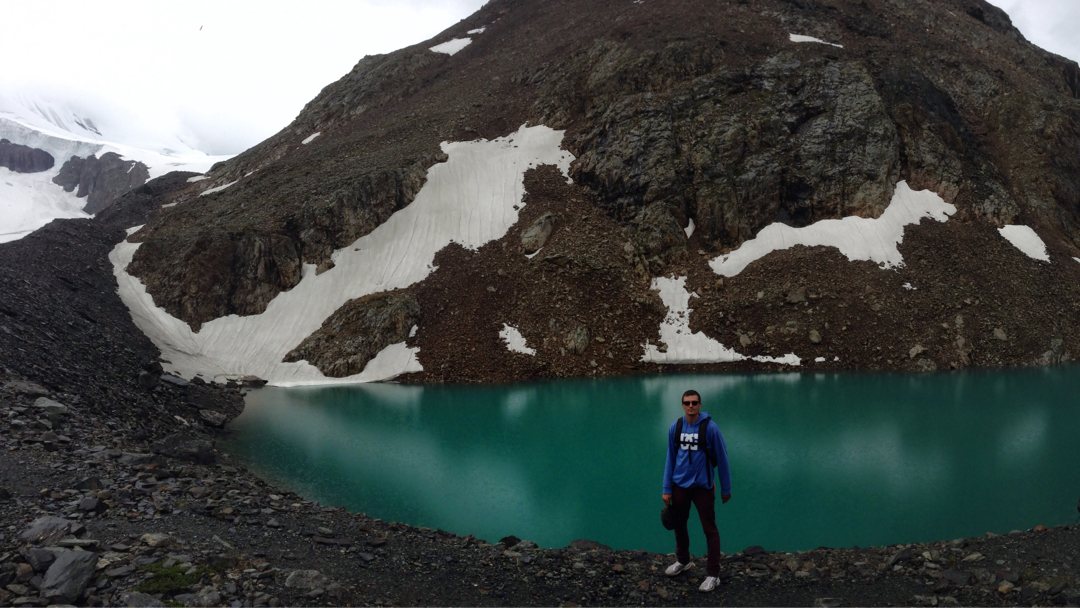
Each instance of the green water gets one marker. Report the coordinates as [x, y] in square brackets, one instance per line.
[817, 459]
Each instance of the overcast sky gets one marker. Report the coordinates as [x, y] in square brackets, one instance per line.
[226, 74]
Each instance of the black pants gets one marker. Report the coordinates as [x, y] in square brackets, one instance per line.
[705, 501]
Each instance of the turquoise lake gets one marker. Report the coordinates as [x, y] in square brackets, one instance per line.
[834, 460]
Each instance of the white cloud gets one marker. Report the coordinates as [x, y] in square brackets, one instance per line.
[225, 75]
[1050, 24]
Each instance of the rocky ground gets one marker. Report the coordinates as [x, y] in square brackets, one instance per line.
[94, 516]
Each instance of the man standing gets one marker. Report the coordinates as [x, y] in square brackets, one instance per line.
[695, 447]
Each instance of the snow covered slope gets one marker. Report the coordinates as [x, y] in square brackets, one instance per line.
[28, 201]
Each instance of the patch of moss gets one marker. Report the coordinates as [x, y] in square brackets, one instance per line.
[168, 580]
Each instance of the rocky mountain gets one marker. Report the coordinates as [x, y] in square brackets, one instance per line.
[613, 186]
[55, 162]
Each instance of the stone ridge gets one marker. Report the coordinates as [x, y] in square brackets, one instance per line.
[677, 114]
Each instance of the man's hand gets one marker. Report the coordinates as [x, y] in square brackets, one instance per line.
[667, 499]
[725, 498]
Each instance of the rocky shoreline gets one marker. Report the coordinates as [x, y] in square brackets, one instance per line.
[94, 516]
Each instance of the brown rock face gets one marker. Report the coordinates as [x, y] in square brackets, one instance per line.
[101, 180]
[24, 159]
[353, 335]
[675, 113]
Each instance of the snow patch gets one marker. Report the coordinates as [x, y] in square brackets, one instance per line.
[1077, 259]
[134, 229]
[819, 360]
[470, 199]
[689, 230]
[857, 238]
[801, 38]
[479, 30]
[311, 138]
[534, 254]
[909, 286]
[515, 342]
[197, 178]
[684, 346]
[412, 332]
[28, 201]
[218, 188]
[452, 47]
[1025, 239]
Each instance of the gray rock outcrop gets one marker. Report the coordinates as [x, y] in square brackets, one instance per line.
[101, 180]
[24, 159]
[67, 577]
[536, 236]
[353, 335]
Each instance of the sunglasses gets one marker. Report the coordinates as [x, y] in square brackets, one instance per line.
[691, 402]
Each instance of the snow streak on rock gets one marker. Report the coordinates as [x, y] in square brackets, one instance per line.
[311, 138]
[801, 38]
[515, 342]
[452, 47]
[470, 199]
[856, 237]
[685, 347]
[218, 188]
[1025, 239]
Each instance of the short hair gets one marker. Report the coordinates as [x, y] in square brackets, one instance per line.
[691, 392]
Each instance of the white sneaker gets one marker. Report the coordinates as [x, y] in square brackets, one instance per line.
[710, 583]
[677, 567]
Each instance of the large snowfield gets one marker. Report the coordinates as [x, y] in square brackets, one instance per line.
[470, 199]
[28, 201]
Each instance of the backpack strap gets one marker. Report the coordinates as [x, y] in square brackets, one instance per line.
[703, 431]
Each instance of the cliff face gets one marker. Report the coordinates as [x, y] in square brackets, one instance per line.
[101, 180]
[731, 118]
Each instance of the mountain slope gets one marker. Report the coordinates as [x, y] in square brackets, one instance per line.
[694, 136]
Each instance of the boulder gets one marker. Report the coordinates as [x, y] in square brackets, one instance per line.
[40, 559]
[207, 596]
[50, 406]
[536, 236]
[306, 580]
[67, 577]
[156, 539]
[215, 419]
[22, 387]
[46, 531]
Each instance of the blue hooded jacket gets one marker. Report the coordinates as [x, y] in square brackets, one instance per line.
[686, 467]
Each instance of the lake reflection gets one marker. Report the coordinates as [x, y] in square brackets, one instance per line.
[817, 459]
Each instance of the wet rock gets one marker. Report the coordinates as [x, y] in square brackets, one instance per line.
[68, 575]
[536, 236]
